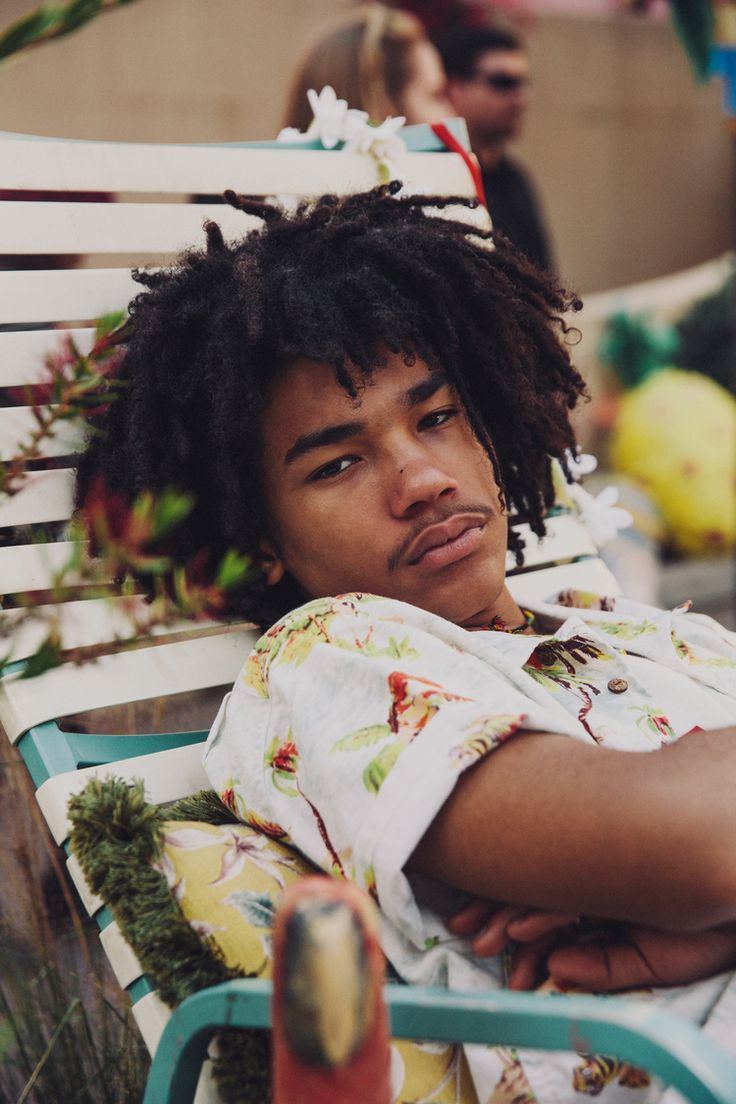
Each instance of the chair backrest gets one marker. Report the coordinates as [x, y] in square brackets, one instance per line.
[66, 260]
[103, 208]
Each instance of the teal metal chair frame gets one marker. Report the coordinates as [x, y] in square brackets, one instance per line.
[660, 1042]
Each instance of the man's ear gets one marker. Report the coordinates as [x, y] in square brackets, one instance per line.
[271, 563]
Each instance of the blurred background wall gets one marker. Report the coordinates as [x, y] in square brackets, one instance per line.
[633, 161]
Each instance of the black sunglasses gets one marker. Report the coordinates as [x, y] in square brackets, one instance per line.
[502, 82]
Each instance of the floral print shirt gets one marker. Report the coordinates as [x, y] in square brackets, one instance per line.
[354, 717]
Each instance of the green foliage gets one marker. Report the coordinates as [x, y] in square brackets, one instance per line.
[234, 569]
[53, 1046]
[66, 1033]
[51, 21]
[128, 540]
[694, 23]
[48, 655]
[635, 347]
[28, 30]
[708, 336]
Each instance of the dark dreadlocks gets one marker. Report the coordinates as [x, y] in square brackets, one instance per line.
[338, 281]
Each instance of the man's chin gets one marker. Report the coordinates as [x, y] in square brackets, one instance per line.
[464, 605]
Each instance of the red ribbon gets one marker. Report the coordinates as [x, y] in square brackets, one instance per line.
[448, 139]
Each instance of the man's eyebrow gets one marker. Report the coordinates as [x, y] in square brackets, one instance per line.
[426, 388]
[344, 431]
[319, 438]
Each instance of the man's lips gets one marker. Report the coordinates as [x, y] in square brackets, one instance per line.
[446, 542]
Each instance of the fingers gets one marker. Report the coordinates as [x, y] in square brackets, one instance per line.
[493, 936]
[529, 962]
[532, 925]
[515, 923]
[471, 917]
[601, 967]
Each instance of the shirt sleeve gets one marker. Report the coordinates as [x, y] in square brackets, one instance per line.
[349, 728]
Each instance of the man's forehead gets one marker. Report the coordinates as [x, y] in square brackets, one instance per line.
[309, 406]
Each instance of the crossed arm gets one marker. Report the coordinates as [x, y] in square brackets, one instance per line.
[552, 824]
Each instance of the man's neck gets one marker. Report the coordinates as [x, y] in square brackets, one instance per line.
[504, 613]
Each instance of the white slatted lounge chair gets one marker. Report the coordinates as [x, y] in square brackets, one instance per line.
[32, 305]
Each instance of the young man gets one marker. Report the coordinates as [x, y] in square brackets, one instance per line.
[359, 396]
[488, 84]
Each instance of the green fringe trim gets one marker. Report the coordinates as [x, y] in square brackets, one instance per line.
[115, 835]
[204, 805]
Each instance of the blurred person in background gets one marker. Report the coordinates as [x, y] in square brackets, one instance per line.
[380, 60]
[488, 83]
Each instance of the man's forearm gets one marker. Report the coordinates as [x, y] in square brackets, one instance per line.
[551, 822]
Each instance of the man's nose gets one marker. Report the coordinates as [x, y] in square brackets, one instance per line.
[417, 483]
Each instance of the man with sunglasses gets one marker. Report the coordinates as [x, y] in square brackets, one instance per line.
[488, 74]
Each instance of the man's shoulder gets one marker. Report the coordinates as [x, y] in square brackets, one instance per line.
[365, 625]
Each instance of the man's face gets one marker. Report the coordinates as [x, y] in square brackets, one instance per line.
[494, 99]
[390, 494]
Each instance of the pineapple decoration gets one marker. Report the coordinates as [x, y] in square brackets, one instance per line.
[674, 435]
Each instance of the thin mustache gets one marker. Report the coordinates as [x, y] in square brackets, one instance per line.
[435, 518]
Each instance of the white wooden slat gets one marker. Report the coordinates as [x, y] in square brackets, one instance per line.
[23, 352]
[542, 585]
[18, 423]
[151, 1016]
[129, 676]
[87, 621]
[566, 539]
[120, 955]
[75, 295]
[91, 902]
[29, 567]
[167, 775]
[181, 169]
[50, 228]
[45, 496]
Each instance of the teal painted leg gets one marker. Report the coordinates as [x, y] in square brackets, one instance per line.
[47, 750]
[660, 1042]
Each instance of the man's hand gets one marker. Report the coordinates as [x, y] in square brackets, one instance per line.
[598, 955]
[642, 957]
[534, 932]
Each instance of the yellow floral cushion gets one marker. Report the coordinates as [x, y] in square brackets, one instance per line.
[228, 880]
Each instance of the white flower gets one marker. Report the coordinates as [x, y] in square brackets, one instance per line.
[381, 142]
[581, 463]
[291, 134]
[333, 120]
[600, 514]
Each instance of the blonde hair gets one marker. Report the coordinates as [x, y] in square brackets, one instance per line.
[365, 56]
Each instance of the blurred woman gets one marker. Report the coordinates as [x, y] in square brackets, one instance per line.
[380, 60]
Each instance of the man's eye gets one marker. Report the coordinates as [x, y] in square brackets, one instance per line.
[437, 418]
[335, 467]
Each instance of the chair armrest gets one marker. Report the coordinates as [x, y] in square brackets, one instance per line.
[659, 1041]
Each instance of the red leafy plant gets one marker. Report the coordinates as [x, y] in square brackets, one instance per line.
[129, 543]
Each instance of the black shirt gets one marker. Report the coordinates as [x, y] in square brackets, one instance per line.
[515, 212]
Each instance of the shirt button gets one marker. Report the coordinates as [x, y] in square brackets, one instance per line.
[618, 686]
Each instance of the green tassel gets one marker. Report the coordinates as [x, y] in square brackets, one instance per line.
[115, 835]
